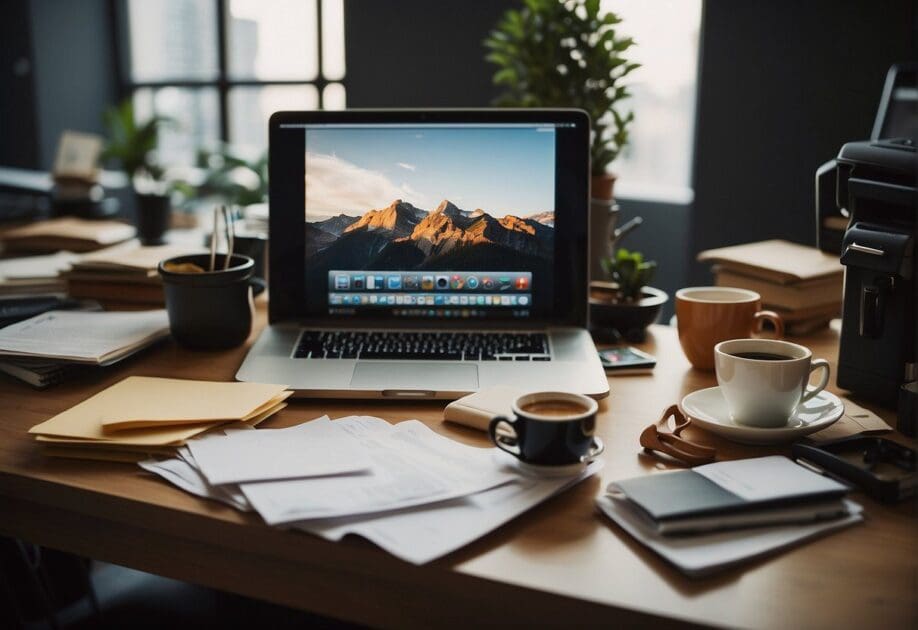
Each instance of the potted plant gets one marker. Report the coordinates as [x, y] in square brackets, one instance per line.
[133, 146]
[626, 306]
[552, 53]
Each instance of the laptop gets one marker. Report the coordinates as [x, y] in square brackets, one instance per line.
[427, 254]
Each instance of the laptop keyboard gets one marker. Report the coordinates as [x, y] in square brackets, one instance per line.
[424, 346]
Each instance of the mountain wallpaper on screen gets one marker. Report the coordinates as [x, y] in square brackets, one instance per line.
[402, 236]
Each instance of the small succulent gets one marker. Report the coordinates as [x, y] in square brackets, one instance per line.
[630, 272]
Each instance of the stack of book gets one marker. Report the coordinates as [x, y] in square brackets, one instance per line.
[124, 276]
[142, 415]
[800, 283]
[47, 348]
[35, 275]
[67, 233]
[718, 515]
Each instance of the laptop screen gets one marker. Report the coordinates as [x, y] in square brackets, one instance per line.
[428, 220]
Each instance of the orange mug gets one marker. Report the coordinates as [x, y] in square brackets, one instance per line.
[708, 315]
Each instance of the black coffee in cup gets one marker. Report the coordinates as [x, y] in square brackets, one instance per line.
[549, 429]
[760, 356]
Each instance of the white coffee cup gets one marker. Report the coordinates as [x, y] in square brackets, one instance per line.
[763, 380]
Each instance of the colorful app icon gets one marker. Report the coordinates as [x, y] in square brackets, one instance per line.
[521, 283]
[487, 283]
[342, 282]
[472, 282]
[464, 300]
[524, 300]
[374, 299]
[394, 283]
[505, 300]
[505, 282]
[442, 283]
[412, 282]
[358, 282]
[438, 300]
[379, 282]
[456, 282]
[371, 283]
[480, 300]
[427, 283]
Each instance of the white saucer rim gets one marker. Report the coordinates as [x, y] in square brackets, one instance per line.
[774, 431]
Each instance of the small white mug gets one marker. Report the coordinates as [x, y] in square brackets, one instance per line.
[763, 380]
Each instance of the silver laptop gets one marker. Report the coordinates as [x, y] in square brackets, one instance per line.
[427, 254]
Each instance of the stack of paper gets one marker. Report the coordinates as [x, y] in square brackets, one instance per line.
[70, 233]
[411, 491]
[124, 274]
[148, 415]
[35, 274]
[84, 337]
[714, 516]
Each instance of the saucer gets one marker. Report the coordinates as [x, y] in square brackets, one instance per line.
[708, 409]
[532, 470]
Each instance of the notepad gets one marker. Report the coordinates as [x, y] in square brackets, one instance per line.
[84, 337]
[160, 411]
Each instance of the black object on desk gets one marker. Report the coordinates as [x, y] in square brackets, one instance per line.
[17, 309]
[884, 469]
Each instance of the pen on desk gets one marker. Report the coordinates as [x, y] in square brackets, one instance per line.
[230, 233]
[213, 241]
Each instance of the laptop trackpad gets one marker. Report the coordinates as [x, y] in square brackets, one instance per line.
[415, 375]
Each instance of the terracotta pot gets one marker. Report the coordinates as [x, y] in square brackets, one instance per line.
[611, 320]
[603, 219]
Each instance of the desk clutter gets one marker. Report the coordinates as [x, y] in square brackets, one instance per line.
[715, 516]
[414, 493]
[802, 284]
[141, 415]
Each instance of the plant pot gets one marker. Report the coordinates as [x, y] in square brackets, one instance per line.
[612, 320]
[153, 215]
[603, 219]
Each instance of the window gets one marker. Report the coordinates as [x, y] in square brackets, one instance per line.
[658, 161]
[219, 68]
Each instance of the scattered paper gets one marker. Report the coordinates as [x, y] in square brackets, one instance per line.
[312, 449]
[854, 421]
[704, 554]
[139, 396]
[422, 534]
[411, 465]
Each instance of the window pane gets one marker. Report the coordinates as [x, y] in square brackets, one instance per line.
[195, 113]
[666, 32]
[333, 40]
[333, 96]
[172, 40]
[250, 108]
[272, 39]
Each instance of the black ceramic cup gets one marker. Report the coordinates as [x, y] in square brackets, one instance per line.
[210, 310]
[549, 429]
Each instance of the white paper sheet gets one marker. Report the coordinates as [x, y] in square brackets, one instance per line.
[90, 337]
[33, 267]
[411, 465]
[705, 554]
[311, 449]
[183, 474]
[422, 534]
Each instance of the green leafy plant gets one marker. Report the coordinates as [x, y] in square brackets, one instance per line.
[133, 144]
[565, 53]
[230, 176]
[630, 272]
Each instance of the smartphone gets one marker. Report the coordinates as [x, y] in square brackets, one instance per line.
[626, 360]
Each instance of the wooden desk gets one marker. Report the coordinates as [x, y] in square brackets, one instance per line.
[560, 564]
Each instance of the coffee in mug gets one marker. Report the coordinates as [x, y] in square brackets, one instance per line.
[549, 429]
[708, 315]
[764, 380]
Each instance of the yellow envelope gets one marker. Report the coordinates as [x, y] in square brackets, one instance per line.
[151, 406]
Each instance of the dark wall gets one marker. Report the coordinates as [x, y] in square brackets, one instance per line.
[782, 86]
[73, 69]
[18, 130]
[419, 53]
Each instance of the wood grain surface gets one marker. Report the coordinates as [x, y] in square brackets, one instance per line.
[561, 563]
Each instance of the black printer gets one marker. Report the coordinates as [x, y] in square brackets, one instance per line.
[866, 207]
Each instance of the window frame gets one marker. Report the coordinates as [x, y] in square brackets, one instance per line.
[223, 83]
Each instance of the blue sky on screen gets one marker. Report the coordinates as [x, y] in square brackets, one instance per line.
[502, 171]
